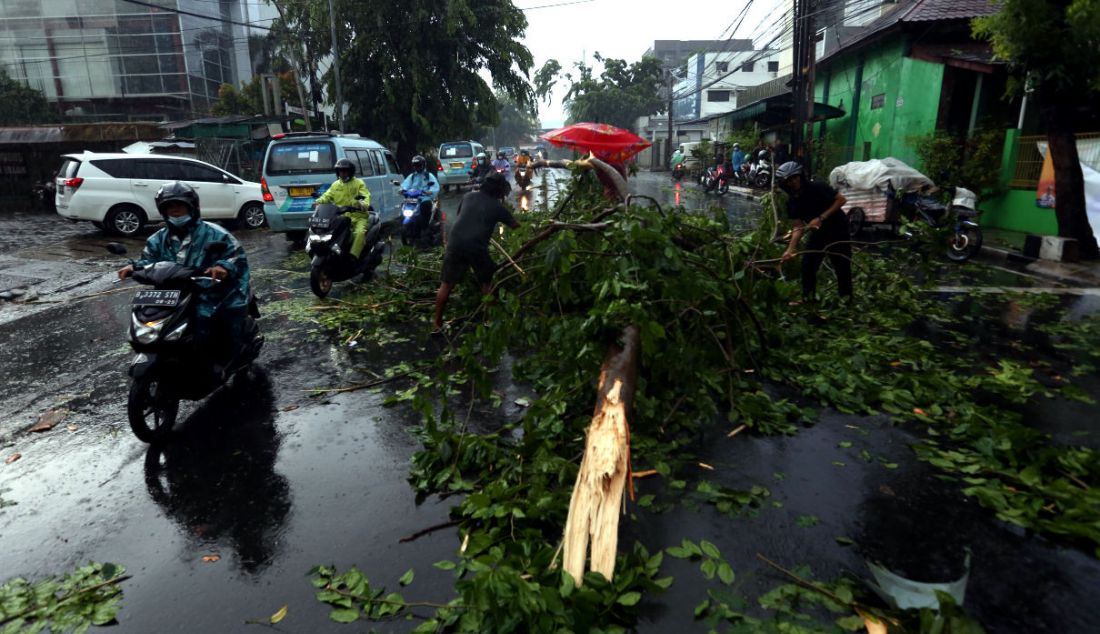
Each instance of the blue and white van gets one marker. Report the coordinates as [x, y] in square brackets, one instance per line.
[456, 161]
[298, 167]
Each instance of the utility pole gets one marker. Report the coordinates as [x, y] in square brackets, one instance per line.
[668, 142]
[797, 87]
[802, 82]
[336, 69]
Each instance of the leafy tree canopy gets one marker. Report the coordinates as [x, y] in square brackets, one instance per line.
[22, 104]
[412, 71]
[1044, 40]
[516, 124]
[622, 92]
[249, 100]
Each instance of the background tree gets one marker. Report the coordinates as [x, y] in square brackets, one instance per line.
[1047, 43]
[516, 124]
[622, 93]
[412, 69]
[249, 99]
[22, 104]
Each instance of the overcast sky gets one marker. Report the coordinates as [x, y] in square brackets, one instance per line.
[625, 29]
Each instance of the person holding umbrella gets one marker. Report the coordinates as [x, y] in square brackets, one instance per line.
[816, 207]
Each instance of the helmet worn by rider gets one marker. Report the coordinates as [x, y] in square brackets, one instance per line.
[178, 192]
[524, 153]
[418, 163]
[788, 170]
[500, 154]
[345, 170]
[737, 146]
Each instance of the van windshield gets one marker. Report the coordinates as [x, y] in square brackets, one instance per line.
[455, 150]
[307, 157]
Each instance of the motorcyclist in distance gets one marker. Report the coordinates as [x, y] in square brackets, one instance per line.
[420, 178]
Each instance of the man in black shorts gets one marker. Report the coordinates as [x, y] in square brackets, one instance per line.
[468, 246]
[816, 206]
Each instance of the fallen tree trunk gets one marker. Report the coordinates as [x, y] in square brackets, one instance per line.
[609, 174]
[605, 469]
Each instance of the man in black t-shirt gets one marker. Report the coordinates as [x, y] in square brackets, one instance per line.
[468, 246]
[816, 207]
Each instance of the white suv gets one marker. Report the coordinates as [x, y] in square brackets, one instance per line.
[115, 191]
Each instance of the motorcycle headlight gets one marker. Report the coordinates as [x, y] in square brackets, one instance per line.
[146, 332]
[176, 333]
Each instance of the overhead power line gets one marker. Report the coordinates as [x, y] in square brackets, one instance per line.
[198, 15]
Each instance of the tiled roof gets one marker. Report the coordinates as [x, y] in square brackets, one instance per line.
[909, 11]
[928, 10]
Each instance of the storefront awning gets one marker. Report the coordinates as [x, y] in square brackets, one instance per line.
[779, 110]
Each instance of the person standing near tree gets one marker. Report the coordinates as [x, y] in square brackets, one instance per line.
[468, 246]
[816, 207]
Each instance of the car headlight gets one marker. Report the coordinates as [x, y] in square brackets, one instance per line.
[176, 333]
[146, 332]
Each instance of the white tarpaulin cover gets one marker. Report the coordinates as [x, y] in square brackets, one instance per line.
[876, 173]
[1091, 172]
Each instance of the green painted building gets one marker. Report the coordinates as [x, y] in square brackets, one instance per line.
[907, 73]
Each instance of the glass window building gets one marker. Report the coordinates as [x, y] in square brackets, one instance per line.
[120, 60]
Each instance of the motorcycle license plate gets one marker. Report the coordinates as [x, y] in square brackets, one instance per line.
[458, 165]
[319, 223]
[301, 192]
[156, 298]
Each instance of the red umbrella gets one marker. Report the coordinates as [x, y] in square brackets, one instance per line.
[605, 141]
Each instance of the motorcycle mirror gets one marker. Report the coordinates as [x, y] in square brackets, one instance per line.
[216, 248]
[116, 248]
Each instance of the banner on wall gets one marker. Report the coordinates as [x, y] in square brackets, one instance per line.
[1089, 151]
[1044, 194]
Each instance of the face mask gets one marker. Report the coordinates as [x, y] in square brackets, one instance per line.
[180, 222]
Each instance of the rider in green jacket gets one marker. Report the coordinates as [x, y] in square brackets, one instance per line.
[344, 192]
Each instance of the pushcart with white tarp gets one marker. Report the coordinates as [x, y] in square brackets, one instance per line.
[871, 189]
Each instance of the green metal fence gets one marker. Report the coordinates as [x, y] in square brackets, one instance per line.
[1029, 160]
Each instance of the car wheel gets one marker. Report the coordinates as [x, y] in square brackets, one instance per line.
[125, 220]
[252, 216]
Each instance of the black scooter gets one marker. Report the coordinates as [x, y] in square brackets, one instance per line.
[171, 364]
[329, 245]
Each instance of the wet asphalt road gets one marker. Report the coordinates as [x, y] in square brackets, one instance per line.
[274, 482]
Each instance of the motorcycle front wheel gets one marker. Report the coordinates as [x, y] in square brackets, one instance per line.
[964, 243]
[151, 415]
[319, 283]
[763, 180]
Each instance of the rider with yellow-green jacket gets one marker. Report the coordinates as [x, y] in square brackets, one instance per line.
[344, 192]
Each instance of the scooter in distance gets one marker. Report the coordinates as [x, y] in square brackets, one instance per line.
[523, 184]
[329, 247]
[171, 364]
[414, 231]
[716, 178]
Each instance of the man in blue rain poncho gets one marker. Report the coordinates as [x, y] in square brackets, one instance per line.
[222, 308]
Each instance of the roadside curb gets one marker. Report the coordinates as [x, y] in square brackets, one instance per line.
[1078, 274]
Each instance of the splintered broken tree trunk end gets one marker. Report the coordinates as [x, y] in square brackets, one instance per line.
[605, 469]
